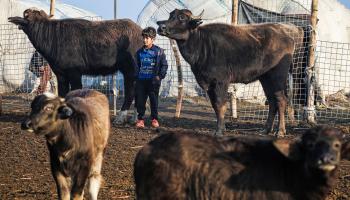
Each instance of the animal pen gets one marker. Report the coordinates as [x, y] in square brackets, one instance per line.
[318, 84]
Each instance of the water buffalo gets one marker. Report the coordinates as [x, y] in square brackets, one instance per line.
[183, 165]
[220, 54]
[74, 47]
[76, 130]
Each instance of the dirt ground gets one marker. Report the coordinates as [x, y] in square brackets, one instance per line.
[24, 163]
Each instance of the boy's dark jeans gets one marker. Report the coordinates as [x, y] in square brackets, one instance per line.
[145, 89]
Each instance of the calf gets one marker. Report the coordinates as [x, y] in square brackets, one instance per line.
[186, 166]
[220, 54]
[76, 130]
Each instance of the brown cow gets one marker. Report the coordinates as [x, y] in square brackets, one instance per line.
[186, 166]
[76, 130]
[220, 54]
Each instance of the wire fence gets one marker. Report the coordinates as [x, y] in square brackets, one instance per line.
[331, 75]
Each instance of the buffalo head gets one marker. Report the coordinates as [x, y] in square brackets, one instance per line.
[47, 111]
[179, 24]
[29, 15]
[320, 148]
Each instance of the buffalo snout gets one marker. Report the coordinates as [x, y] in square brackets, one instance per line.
[162, 28]
[328, 158]
[328, 162]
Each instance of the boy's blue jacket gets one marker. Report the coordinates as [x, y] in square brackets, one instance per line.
[161, 67]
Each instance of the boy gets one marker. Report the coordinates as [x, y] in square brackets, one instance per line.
[151, 69]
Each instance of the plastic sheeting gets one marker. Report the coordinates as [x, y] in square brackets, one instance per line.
[15, 48]
[214, 10]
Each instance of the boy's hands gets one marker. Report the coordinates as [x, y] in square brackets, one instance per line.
[156, 80]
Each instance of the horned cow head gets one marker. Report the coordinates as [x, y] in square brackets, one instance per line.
[319, 148]
[29, 15]
[179, 24]
[47, 111]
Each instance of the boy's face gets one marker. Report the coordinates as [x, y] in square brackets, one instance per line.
[148, 42]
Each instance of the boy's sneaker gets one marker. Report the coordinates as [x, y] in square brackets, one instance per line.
[140, 123]
[155, 123]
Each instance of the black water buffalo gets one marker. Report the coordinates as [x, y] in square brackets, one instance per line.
[74, 47]
[76, 130]
[179, 166]
[220, 54]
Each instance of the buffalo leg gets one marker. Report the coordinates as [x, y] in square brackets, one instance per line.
[95, 177]
[268, 89]
[282, 105]
[63, 85]
[62, 182]
[79, 182]
[217, 93]
[274, 83]
[129, 88]
[75, 80]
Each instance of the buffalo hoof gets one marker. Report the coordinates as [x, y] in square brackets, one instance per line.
[121, 118]
[218, 133]
[133, 118]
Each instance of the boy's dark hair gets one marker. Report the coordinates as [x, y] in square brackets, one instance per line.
[149, 32]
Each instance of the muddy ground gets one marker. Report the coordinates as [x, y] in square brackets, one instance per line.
[24, 166]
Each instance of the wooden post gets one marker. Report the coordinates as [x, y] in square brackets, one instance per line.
[180, 92]
[52, 8]
[232, 90]
[115, 93]
[52, 14]
[114, 76]
[0, 104]
[309, 110]
[234, 16]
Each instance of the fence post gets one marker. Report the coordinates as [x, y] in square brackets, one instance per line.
[180, 87]
[234, 15]
[114, 76]
[232, 87]
[0, 104]
[52, 8]
[309, 110]
[52, 14]
[114, 86]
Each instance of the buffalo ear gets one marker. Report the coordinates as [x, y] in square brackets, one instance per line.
[43, 14]
[345, 150]
[289, 148]
[194, 23]
[65, 112]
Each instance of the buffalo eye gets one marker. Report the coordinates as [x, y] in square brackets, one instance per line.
[336, 145]
[182, 17]
[48, 107]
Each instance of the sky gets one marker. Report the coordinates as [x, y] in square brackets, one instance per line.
[105, 8]
[125, 9]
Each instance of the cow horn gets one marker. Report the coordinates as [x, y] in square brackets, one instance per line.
[198, 16]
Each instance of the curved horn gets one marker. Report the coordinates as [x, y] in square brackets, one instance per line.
[198, 16]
